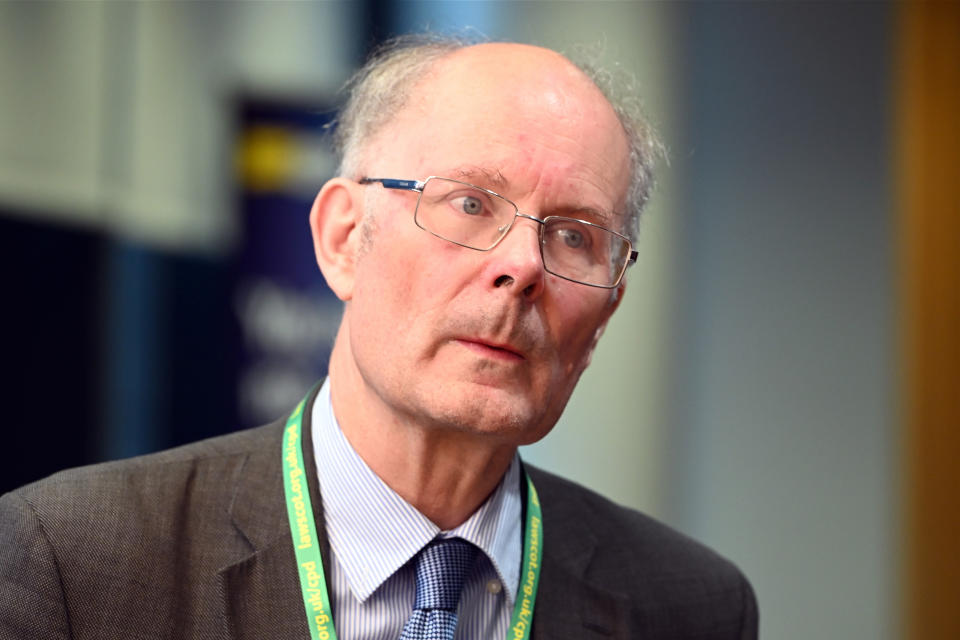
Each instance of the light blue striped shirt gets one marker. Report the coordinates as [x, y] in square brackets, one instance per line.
[373, 533]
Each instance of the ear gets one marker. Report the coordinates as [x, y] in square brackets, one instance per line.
[335, 220]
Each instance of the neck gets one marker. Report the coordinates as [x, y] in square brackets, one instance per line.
[446, 474]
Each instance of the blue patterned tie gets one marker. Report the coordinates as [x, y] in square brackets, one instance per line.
[441, 568]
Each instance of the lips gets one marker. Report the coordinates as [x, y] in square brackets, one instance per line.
[492, 349]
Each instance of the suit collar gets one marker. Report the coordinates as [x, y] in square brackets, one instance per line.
[261, 587]
[569, 604]
[258, 509]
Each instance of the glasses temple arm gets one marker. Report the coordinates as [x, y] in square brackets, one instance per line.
[391, 183]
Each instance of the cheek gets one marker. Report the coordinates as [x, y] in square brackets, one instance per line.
[406, 280]
[574, 324]
[380, 275]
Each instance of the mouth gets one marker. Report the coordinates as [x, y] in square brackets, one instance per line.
[504, 352]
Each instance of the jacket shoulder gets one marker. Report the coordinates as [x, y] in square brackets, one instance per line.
[643, 561]
[159, 467]
[585, 513]
[146, 498]
[83, 548]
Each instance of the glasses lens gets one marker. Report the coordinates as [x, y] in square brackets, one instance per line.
[462, 213]
[473, 217]
[583, 252]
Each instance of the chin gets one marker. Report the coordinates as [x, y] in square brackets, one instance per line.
[515, 422]
[511, 411]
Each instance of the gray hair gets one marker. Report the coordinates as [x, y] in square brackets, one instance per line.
[381, 88]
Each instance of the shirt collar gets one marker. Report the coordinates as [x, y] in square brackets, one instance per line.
[373, 531]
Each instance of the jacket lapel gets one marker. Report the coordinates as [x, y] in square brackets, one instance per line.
[568, 606]
[261, 586]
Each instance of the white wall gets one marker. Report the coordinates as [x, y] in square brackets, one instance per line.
[118, 115]
[784, 447]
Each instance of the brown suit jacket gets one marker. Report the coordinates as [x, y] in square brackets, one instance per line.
[194, 543]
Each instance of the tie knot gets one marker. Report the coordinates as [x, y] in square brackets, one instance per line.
[442, 567]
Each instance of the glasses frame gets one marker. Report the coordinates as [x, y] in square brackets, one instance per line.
[419, 185]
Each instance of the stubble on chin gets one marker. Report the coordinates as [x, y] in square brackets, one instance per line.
[468, 409]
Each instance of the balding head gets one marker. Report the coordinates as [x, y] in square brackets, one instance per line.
[403, 68]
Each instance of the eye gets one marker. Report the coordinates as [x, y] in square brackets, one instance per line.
[469, 205]
[573, 238]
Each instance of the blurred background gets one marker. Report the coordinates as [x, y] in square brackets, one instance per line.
[781, 381]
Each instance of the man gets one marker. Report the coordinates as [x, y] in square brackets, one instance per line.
[477, 235]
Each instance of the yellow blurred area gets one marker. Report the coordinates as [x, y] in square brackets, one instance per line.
[266, 158]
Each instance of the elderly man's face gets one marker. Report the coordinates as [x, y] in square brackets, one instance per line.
[486, 342]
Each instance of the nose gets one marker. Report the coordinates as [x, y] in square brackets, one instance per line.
[516, 264]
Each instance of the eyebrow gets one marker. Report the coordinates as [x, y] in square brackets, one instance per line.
[473, 172]
[596, 216]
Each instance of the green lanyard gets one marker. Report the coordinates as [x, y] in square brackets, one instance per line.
[316, 600]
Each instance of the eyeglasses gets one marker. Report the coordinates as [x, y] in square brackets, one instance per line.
[478, 218]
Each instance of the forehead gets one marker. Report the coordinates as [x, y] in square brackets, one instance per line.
[525, 117]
